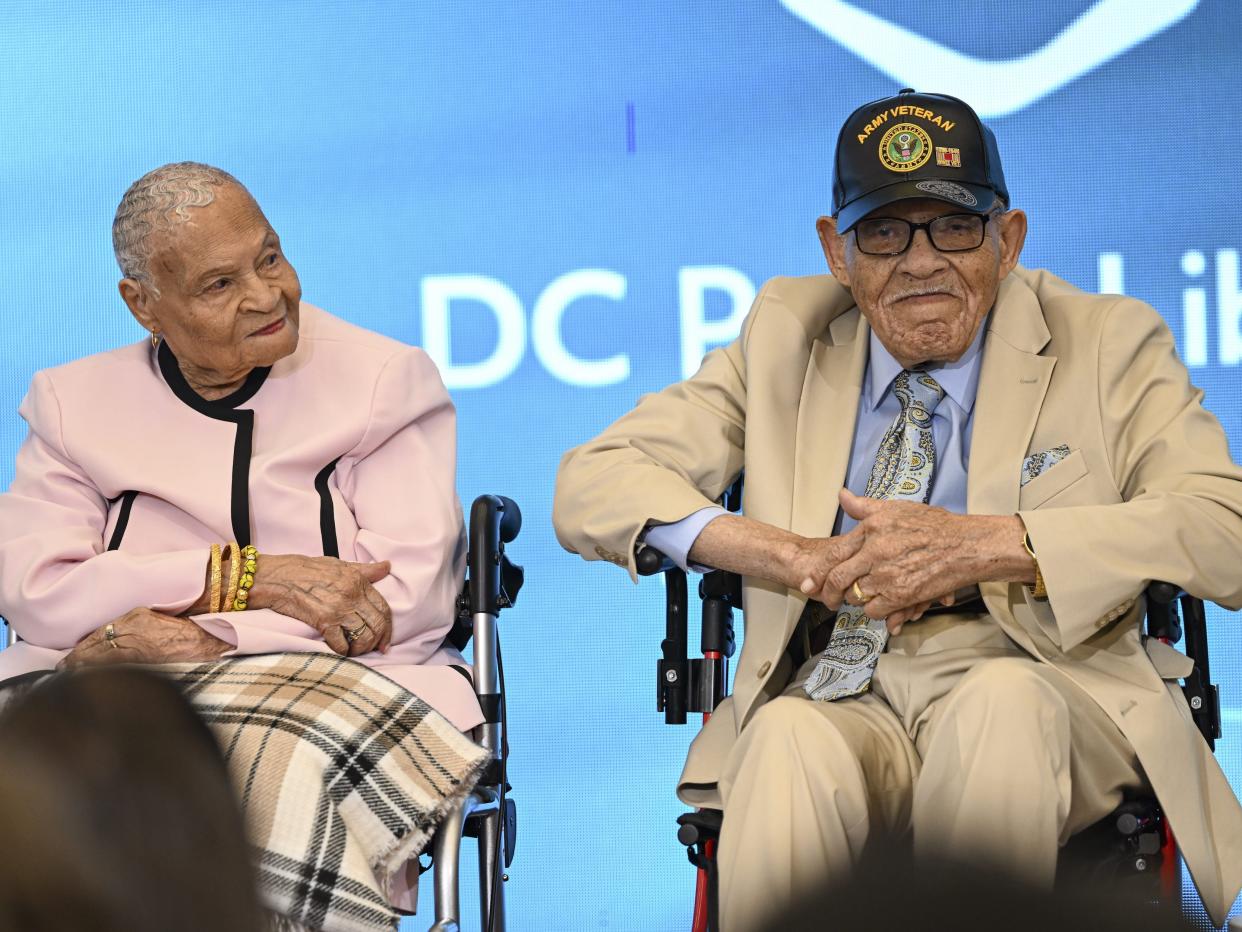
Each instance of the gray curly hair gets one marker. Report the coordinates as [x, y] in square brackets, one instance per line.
[156, 201]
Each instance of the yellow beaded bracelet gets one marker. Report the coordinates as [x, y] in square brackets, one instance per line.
[249, 567]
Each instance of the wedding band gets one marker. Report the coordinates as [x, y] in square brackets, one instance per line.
[352, 634]
[110, 633]
[858, 594]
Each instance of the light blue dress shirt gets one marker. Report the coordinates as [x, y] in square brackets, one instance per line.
[878, 407]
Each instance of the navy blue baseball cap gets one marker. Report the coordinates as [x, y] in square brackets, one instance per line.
[915, 145]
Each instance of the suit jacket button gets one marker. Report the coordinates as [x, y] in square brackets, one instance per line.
[763, 670]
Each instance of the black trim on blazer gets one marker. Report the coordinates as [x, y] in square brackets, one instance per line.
[122, 518]
[327, 511]
[223, 409]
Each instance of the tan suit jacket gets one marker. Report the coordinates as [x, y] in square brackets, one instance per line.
[1148, 492]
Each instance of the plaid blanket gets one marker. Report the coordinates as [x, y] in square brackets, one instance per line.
[342, 775]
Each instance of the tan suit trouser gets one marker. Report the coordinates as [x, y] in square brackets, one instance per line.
[981, 751]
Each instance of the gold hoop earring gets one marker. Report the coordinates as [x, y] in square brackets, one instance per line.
[155, 339]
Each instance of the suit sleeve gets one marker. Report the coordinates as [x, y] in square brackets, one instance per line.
[400, 484]
[676, 540]
[674, 454]
[57, 581]
[1181, 518]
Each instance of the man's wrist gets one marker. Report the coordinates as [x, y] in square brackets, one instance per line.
[1038, 590]
[751, 548]
[1000, 555]
[798, 558]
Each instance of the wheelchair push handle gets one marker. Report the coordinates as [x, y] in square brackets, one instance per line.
[498, 512]
[495, 520]
[651, 562]
[1163, 593]
[510, 519]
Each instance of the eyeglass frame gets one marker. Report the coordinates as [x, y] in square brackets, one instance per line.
[926, 226]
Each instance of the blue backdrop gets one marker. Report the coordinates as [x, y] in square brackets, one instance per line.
[567, 204]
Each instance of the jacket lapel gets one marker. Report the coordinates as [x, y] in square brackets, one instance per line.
[824, 431]
[825, 434]
[1012, 383]
[826, 421]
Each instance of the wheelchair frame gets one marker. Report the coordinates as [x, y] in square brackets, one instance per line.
[1133, 840]
[486, 813]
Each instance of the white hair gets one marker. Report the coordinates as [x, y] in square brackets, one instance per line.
[155, 202]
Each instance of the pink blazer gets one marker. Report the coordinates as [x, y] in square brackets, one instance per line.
[345, 448]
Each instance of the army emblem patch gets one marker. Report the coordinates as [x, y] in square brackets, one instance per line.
[949, 158]
[905, 147]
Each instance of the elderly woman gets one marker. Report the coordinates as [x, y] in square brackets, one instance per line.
[258, 477]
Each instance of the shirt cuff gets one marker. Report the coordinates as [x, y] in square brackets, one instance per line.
[675, 540]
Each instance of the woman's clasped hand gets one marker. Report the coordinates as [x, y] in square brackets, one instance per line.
[335, 597]
[143, 635]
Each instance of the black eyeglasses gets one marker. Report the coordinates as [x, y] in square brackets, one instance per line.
[888, 236]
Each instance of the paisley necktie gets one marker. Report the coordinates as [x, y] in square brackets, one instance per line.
[903, 470]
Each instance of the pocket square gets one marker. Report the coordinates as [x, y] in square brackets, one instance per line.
[1039, 463]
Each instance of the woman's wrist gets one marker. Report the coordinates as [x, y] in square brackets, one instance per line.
[211, 647]
[267, 590]
[202, 605]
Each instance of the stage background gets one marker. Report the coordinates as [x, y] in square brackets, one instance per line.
[567, 203]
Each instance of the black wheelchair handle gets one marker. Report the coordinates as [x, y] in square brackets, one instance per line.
[495, 520]
[510, 520]
[652, 562]
[1164, 593]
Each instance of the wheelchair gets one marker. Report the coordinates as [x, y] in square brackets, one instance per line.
[1133, 848]
[487, 814]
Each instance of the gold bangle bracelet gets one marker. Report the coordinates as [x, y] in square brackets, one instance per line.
[249, 560]
[235, 563]
[214, 604]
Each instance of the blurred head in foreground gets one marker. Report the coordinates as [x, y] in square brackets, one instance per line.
[892, 891]
[116, 813]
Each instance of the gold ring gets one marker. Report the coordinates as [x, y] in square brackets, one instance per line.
[352, 634]
[110, 633]
[858, 594]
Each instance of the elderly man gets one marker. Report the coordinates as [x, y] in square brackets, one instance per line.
[979, 467]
